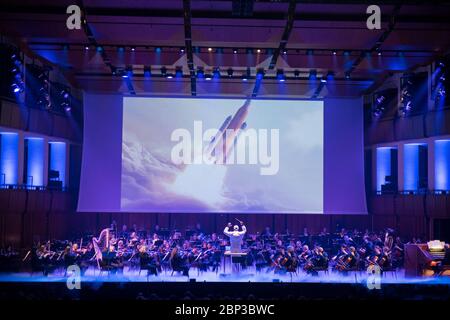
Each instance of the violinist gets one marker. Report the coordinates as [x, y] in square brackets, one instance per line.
[178, 262]
[304, 255]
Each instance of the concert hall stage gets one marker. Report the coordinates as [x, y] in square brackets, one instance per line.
[246, 285]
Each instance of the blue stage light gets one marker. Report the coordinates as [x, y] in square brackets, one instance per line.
[178, 72]
[216, 73]
[312, 75]
[18, 84]
[330, 76]
[147, 72]
[260, 74]
[280, 75]
[200, 73]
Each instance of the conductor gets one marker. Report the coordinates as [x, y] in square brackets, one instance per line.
[236, 236]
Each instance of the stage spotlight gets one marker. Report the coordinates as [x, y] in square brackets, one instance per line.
[235, 51]
[169, 76]
[280, 75]
[99, 48]
[379, 53]
[181, 50]
[208, 77]
[312, 74]
[18, 84]
[216, 73]
[128, 72]
[323, 80]
[379, 106]
[158, 49]
[133, 48]
[147, 71]
[200, 73]
[230, 72]
[86, 48]
[346, 53]
[334, 52]
[330, 75]
[405, 101]
[120, 49]
[260, 74]
[179, 72]
[347, 75]
[210, 49]
[65, 99]
[296, 73]
[258, 50]
[285, 51]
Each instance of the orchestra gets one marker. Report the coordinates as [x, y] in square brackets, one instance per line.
[160, 252]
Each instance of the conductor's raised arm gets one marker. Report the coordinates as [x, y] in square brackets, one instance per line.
[227, 231]
[244, 230]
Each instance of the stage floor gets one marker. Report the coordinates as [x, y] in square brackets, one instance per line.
[94, 275]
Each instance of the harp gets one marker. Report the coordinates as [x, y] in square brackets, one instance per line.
[100, 244]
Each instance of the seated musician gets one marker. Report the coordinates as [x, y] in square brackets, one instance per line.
[124, 233]
[111, 261]
[340, 257]
[134, 239]
[317, 261]
[304, 255]
[178, 262]
[353, 258]
[291, 260]
[374, 258]
[148, 260]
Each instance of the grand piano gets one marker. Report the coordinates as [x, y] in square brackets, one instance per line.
[424, 259]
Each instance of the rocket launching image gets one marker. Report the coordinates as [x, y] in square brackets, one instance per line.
[222, 155]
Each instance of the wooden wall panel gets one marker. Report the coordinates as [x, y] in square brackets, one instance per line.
[438, 123]
[409, 128]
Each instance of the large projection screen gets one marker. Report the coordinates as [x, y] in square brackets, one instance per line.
[222, 155]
